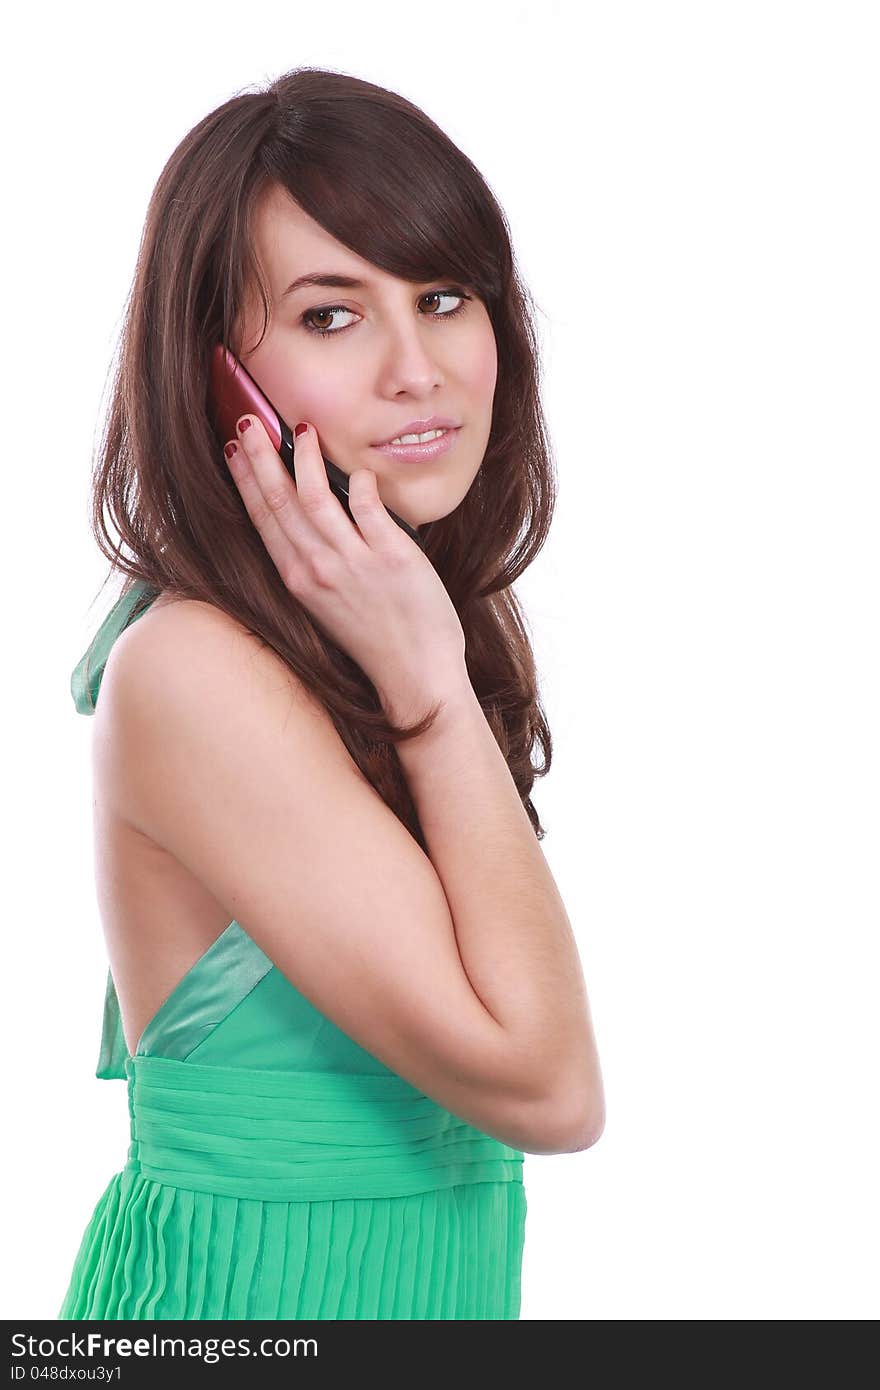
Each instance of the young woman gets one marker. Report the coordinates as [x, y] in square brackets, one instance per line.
[343, 989]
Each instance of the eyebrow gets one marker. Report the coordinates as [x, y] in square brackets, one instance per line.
[331, 280]
[324, 277]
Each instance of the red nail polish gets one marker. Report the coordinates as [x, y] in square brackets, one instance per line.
[301, 428]
[243, 425]
[231, 448]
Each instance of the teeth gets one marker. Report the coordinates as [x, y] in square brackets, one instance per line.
[417, 438]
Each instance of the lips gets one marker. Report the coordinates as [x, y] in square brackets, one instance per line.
[436, 422]
[432, 449]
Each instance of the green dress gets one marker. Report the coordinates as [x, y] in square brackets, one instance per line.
[275, 1168]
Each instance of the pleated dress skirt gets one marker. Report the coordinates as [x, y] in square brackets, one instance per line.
[267, 1191]
[276, 1169]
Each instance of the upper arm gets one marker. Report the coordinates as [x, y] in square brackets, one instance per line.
[220, 755]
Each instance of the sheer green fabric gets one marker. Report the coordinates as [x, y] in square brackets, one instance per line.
[275, 1168]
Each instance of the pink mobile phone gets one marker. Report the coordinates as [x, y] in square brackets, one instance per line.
[235, 393]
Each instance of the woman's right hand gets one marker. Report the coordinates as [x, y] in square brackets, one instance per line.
[369, 587]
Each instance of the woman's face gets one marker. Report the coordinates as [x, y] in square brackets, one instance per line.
[384, 361]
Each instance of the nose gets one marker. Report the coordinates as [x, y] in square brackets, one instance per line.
[410, 363]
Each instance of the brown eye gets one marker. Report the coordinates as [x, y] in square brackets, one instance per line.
[330, 309]
[447, 294]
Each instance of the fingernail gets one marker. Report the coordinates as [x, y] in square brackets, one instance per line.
[243, 424]
[301, 428]
[231, 448]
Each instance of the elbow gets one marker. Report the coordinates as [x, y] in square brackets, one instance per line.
[589, 1134]
[565, 1115]
[575, 1138]
[575, 1110]
[563, 1128]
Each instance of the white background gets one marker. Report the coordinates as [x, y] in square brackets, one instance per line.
[692, 190]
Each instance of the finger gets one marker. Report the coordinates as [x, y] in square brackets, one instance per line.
[277, 541]
[317, 515]
[369, 511]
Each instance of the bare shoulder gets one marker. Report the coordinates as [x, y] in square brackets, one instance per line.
[175, 623]
[181, 644]
[193, 700]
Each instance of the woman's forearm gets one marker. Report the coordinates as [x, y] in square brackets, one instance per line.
[513, 933]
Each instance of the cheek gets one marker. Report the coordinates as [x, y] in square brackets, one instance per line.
[319, 396]
[480, 366]
[302, 392]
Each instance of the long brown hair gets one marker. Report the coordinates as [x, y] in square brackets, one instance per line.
[374, 171]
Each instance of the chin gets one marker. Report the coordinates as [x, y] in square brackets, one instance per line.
[423, 500]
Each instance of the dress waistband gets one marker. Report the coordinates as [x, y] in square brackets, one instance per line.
[300, 1135]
